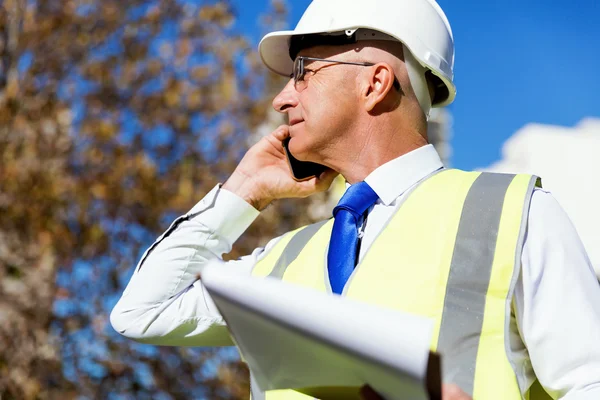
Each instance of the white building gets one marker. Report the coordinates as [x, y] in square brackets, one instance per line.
[568, 160]
[439, 133]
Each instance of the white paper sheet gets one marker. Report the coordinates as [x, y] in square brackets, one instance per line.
[296, 337]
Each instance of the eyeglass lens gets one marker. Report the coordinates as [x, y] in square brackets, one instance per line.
[299, 70]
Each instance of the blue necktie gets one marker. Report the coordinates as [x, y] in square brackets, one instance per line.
[343, 246]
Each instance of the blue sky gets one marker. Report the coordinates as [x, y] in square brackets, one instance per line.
[516, 62]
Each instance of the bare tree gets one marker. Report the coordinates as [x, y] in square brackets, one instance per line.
[115, 117]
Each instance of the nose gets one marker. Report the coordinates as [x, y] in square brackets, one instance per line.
[287, 98]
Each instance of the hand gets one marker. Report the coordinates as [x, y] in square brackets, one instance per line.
[263, 175]
[453, 392]
[449, 392]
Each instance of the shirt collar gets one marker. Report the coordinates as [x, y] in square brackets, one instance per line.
[395, 177]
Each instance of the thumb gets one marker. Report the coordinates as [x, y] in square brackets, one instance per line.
[453, 392]
[281, 133]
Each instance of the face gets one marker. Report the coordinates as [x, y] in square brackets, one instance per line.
[322, 108]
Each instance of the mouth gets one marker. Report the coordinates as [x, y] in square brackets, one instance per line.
[295, 121]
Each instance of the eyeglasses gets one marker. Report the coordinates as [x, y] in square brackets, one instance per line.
[299, 71]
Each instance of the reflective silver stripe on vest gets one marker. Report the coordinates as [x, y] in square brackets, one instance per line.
[469, 278]
[294, 247]
[289, 254]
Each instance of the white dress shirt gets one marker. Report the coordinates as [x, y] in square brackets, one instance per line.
[555, 330]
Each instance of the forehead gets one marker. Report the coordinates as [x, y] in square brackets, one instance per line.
[324, 51]
[318, 51]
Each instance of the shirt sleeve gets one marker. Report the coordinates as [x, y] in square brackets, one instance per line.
[557, 304]
[164, 302]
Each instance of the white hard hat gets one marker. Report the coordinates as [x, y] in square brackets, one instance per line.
[420, 25]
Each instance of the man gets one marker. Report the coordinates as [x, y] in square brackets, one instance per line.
[486, 256]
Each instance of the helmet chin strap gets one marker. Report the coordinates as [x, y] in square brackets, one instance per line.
[416, 75]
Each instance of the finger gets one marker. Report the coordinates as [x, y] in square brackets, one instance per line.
[453, 392]
[328, 175]
[281, 133]
[326, 179]
[318, 184]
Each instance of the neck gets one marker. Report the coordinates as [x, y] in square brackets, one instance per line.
[372, 146]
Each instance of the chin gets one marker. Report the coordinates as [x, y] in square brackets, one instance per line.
[299, 148]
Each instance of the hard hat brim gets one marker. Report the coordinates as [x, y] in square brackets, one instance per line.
[274, 50]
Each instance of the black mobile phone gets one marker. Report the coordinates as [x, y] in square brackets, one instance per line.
[301, 170]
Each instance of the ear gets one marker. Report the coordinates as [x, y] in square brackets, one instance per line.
[379, 81]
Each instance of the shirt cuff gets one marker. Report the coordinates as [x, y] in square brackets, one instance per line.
[224, 213]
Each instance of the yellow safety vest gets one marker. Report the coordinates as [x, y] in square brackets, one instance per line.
[451, 252]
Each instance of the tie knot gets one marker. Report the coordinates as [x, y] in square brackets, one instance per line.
[357, 199]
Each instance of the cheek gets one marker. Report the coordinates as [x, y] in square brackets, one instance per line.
[319, 107]
[328, 109]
